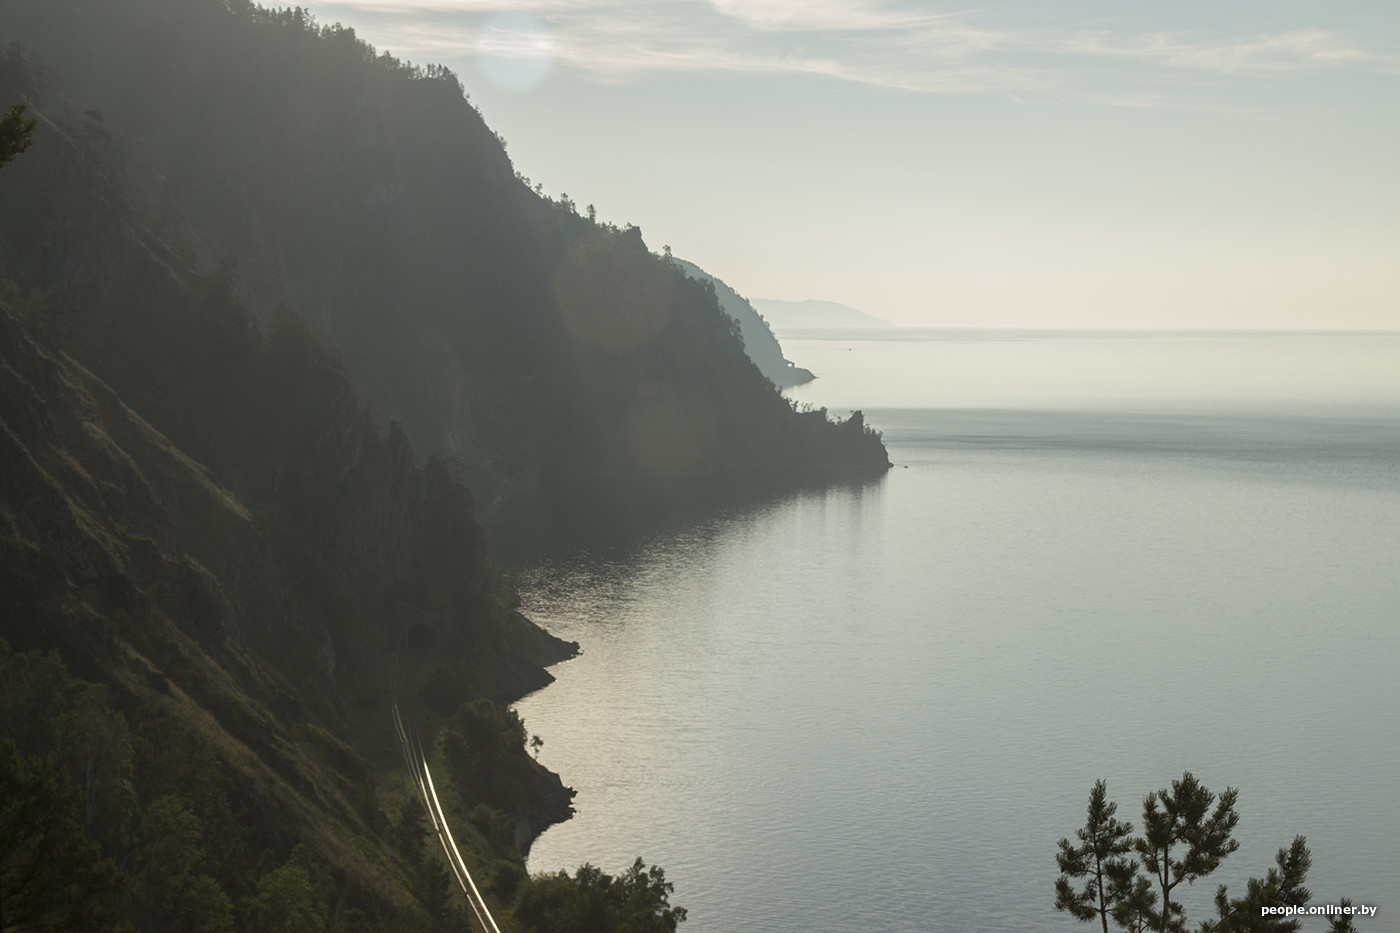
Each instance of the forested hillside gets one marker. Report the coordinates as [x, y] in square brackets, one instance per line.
[370, 198]
[197, 663]
[270, 303]
[201, 604]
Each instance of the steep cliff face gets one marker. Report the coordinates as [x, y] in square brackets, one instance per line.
[759, 343]
[371, 199]
[266, 411]
[229, 222]
[257, 628]
[228, 551]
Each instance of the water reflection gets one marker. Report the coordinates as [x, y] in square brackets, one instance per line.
[883, 703]
[614, 516]
[876, 706]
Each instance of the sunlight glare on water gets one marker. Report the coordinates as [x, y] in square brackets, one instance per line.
[877, 707]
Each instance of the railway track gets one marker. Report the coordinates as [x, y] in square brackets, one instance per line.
[417, 764]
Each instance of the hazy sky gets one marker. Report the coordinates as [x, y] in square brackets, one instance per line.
[1032, 162]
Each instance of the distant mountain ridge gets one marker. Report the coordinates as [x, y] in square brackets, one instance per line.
[759, 343]
[794, 315]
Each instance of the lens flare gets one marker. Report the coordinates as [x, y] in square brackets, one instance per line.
[514, 51]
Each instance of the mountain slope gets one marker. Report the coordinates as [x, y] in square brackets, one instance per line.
[218, 565]
[225, 551]
[250, 633]
[759, 343]
[370, 198]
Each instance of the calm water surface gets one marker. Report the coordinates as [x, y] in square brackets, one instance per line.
[877, 707]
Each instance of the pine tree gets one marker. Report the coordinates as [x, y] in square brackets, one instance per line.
[1282, 885]
[1103, 858]
[1183, 840]
[1187, 833]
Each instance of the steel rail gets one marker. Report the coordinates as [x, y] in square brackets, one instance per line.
[417, 764]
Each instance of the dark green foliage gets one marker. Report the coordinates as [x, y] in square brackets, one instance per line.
[434, 886]
[52, 876]
[177, 766]
[505, 880]
[410, 830]
[1282, 885]
[1103, 859]
[1183, 839]
[491, 733]
[50, 714]
[495, 825]
[286, 899]
[1187, 834]
[432, 882]
[483, 746]
[16, 133]
[171, 889]
[637, 901]
[1342, 924]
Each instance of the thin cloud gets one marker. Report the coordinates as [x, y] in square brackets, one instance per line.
[819, 15]
[1298, 50]
[860, 41]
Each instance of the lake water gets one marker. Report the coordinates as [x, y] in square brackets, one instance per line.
[877, 707]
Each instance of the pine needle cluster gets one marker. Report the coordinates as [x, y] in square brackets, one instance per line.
[1112, 875]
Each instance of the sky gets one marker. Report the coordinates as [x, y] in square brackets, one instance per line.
[1042, 163]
